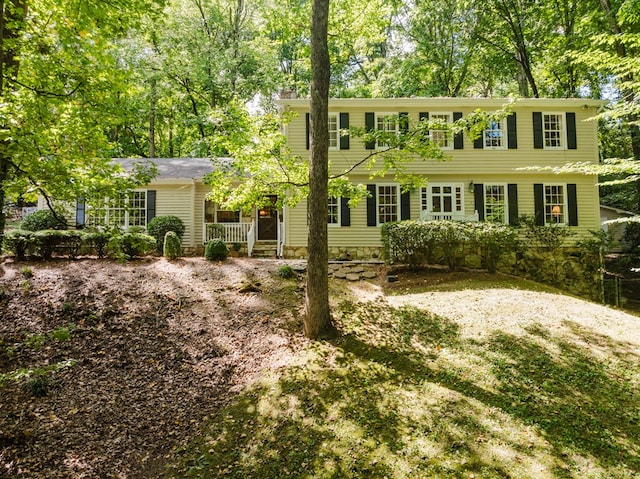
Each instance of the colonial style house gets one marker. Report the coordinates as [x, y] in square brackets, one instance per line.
[484, 179]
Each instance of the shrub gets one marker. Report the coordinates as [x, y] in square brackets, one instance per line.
[42, 220]
[172, 245]
[286, 271]
[215, 231]
[45, 242]
[130, 245]
[159, 226]
[18, 243]
[216, 250]
[98, 240]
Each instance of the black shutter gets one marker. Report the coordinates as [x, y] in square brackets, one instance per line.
[344, 124]
[478, 143]
[512, 194]
[370, 125]
[80, 212]
[538, 202]
[151, 205]
[345, 212]
[423, 115]
[405, 206]
[458, 139]
[308, 129]
[478, 196]
[512, 132]
[538, 141]
[372, 206]
[572, 205]
[571, 131]
[403, 122]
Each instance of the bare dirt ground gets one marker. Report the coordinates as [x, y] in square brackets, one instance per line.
[155, 348]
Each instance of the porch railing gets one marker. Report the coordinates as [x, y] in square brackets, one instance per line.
[251, 238]
[430, 216]
[233, 232]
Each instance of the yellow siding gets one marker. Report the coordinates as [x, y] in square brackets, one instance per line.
[464, 166]
[175, 199]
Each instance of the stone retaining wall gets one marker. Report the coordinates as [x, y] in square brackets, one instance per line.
[354, 270]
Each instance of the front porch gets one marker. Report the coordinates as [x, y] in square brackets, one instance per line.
[246, 234]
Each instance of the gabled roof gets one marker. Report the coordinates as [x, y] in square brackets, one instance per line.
[178, 168]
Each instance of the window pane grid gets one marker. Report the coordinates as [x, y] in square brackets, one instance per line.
[333, 131]
[494, 135]
[554, 204]
[494, 203]
[441, 136]
[388, 124]
[445, 199]
[552, 124]
[387, 204]
[334, 211]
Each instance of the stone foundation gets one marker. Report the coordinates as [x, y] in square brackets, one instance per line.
[338, 253]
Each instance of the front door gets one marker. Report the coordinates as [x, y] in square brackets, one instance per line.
[268, 221]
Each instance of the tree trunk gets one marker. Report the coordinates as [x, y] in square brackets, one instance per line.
[317, 319]
[13, 15]
[152, 118]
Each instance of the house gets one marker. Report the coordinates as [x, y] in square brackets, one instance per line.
[615, 229]
[483, 180]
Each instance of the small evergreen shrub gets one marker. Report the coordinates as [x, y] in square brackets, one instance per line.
[46, 242]
[42, 220]
[159, 226]
[130, 245]
[18, 243]
[98, 241]
[216, 250]
[172, 248]
[286, 272]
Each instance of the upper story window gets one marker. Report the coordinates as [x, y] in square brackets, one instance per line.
[495, 136]
[334, 211]
[124, 211]
[334, 131]
[553, 130]
[441, 136]
[387, 122]
[554, 204]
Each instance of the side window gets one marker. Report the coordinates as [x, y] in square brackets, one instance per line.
[554, 205]
[441, 136]
[334, 211]
[388, 203]
[387, 122]
[495, 204]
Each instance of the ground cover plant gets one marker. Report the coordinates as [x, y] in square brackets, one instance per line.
[192, 374]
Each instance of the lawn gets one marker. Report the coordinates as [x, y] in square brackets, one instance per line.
[547, 387]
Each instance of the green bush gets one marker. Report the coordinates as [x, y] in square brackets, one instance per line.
[172, 248]
[42, 220]
[98, 241]
[216, 250]
[286, 271]
[130, 245]
[18, 243]
[46, 242]
[161, 225]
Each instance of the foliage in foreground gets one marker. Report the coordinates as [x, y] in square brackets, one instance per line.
[404, 394]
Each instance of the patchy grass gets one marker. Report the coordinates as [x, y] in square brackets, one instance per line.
[403, 394]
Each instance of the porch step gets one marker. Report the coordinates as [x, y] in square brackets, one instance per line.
[265, 250]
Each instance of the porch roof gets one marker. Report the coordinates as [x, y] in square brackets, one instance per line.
[178, 168]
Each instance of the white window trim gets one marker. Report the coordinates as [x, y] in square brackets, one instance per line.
[398, 212]
[335, 115]
[395, 114]
[107, 210]
[430, 196]
[448, 137]
[505, 187]
[339, 216]
[505, 139]
[565, 211]
[563, 132]
[215, 212]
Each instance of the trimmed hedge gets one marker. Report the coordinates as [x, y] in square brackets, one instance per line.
[159, 226]
[70, 243]
[42, 220]
[172, 248]
[216, 250]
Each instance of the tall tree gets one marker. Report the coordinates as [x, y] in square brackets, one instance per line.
[317, 320]
[58, 84]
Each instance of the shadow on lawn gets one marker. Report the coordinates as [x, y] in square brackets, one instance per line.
[379, 403]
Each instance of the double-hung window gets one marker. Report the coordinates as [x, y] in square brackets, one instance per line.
[334, 211]
[554, 205]
[495, 203]
[441, 135]
[123, 211]
[553, 130]
[334, 131]
[388, 123]
[388, 203]
[495, 136]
